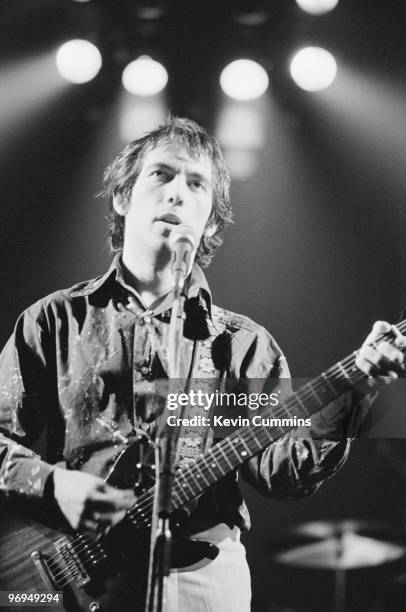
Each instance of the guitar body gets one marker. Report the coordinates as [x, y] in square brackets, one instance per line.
[107, 574]
[118, 584]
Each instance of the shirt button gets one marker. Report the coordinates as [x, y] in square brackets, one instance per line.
[147, 319]
[144, 370]
[145, 426]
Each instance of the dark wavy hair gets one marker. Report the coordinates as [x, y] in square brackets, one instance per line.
[121, 175]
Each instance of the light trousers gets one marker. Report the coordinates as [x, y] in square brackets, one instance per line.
[219, 585]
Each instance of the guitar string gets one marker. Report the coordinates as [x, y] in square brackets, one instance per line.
[188, 477]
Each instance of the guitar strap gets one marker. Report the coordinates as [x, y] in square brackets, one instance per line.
[195, 439]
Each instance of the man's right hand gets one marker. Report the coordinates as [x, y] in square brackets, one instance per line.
[88, 502]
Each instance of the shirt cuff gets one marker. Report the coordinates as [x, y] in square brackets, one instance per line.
[25, 476]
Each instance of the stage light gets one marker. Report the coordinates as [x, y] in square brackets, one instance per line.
[78, 61]
[317, 7]
[244, 80]
[144, 77]
[313, 69]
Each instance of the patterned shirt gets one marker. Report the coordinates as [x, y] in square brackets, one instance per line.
[82, 364]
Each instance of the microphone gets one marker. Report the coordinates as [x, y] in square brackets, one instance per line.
[182, 243]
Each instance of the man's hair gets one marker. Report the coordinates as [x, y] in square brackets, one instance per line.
[120, 177]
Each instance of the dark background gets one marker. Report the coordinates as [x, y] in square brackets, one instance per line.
[316, 252]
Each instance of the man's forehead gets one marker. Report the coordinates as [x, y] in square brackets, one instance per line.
[167, 154]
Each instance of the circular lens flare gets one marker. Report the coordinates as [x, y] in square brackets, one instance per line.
[244, 80]
[317, 7]
[144, 77]
[78, 61]
[313, 69]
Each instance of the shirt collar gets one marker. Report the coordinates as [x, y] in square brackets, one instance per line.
[197, 283]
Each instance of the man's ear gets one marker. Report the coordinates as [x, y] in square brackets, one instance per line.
[120, 205]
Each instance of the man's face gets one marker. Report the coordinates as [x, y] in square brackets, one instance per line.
[171, 188]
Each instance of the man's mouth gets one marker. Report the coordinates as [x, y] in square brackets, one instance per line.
[170, 218]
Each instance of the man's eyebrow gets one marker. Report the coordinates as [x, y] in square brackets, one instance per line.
[199, 176]
[194, 174]
[158, 164]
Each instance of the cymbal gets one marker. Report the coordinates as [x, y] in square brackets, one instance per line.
[348, 551]
[334, 528]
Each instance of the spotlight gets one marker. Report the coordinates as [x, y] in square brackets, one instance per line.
[78, 61]
[244, 80]
[313, 69]
[317, 7]
[144, 77]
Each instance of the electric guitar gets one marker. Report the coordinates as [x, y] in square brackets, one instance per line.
[108, 573]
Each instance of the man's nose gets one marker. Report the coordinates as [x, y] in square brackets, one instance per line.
[176, 191]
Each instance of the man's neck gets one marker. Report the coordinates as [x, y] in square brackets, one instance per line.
[150, 277]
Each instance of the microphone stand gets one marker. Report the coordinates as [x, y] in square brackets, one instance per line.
[165, 455]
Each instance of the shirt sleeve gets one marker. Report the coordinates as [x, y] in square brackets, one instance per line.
[297, 463]
[25, 401]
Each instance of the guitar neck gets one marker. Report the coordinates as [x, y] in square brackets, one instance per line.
[245, 442]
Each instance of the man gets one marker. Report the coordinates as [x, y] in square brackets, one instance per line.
[81, 361]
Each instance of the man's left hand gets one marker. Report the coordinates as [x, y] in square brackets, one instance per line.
[382, 361]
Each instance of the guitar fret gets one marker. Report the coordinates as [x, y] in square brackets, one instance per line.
[240, 447]
[213, 464]
[268, 437]
[255, 439]
[185, 484]
[347, 376]
[219, 468]
[327, 379]
[197, 467]
[231, 445]
[244, 449]
[220, 447]
[296, 397]
[177, 498]
[207, 466]
[246, 445]
[314, 394]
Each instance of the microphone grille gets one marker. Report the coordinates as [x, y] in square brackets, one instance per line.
[182, 233]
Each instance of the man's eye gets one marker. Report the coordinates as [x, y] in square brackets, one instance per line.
[161, 175]
[197, 185]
